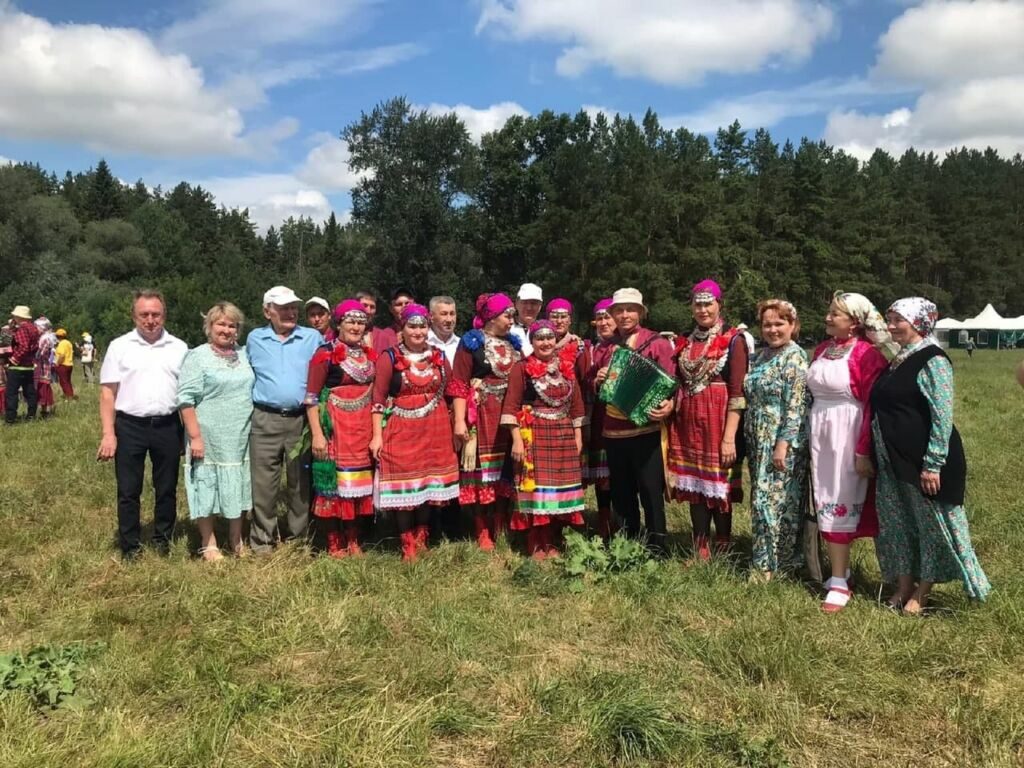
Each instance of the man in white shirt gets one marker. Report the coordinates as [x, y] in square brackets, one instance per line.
[748, 339]
[529, 301]
[139, 415]
[443, 317]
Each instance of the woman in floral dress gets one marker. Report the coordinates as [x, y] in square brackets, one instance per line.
[711, 364]
[544, 410]
[412, 433]
[215, 403]
[480, 372]
[339, 394]
[840, 378]
[776, 431]
[924, 537]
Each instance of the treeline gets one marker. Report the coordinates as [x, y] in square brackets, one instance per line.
[578, 204]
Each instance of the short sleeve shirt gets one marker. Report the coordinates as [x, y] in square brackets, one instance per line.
[146, 374]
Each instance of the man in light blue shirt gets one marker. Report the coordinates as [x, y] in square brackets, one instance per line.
[279, 354]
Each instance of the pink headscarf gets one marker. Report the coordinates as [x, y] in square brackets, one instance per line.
[348, 307]
[706, 288]
[489, 306]
[541, 325]
[409, 311]
[559, 305]
[603, 306]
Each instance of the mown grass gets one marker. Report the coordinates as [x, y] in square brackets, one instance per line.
[464, 659]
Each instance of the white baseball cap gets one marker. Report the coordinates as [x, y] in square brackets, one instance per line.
[530, 292]
[280, 295]
[319, 302]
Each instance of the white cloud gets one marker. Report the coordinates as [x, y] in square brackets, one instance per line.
[326, 166]
[967, 60]
[479, 121]
[270, 197]
[109, 88]
[233, 28]
[940, 42]
[6, 160]
[668, 41]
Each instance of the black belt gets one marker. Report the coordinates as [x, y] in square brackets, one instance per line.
[150, 421]
[279, 411]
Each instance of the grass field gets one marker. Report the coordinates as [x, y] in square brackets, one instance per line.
[465, 659]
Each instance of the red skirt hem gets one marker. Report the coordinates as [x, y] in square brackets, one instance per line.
[336, 508]
[523, 522]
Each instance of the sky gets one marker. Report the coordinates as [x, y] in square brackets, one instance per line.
[248, 98]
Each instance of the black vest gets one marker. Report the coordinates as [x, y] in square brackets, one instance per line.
[905, 421]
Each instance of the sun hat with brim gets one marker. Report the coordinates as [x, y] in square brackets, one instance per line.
[280, 295]
[628, 296]
[21, 312]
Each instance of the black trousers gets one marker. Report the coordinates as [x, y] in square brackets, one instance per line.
[26, 382]
[160, 437]
[635, 468]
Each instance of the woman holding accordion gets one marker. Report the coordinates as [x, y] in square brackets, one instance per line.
[635, 463]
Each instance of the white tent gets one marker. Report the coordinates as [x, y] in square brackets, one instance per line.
[988, 329]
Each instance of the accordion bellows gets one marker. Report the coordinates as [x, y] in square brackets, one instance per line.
[635, 385]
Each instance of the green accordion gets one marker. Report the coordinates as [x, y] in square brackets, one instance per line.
[635, 385]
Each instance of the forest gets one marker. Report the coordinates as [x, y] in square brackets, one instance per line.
[580, 204]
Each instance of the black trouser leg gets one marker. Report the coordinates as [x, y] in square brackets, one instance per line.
[723, 524]
[650, 474]
[623, 482]
[24, 382]
[129, 469]
[165, 455]
[700, 520]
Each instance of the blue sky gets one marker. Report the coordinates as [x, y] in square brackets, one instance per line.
[247, 97]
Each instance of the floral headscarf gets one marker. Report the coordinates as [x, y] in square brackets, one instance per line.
[863, 311]
[918, 311]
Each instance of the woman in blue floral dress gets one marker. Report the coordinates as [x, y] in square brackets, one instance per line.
[776, 432]
[922, 471]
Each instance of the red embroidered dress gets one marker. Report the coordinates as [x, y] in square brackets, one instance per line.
[417, 463]
[711, 366]
[341, 380]
[480, 376]
[545, 402]
[595, 472]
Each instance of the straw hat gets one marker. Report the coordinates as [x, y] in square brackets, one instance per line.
[21, 312]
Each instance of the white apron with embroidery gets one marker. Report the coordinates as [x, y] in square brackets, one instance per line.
[835, 422]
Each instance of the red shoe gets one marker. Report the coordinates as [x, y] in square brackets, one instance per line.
[701, 550]
[336, 544]
[409, 549]
[483, 535]
[535, 544]
[354, 550]
[422, 533]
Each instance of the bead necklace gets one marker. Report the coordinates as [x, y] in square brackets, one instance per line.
[357, 364]
[499, 355]
[552, 379]
[697, 372]
[837, 351]
[229, 357]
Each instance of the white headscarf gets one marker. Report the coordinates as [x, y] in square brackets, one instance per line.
[918, 311]
[863, 311]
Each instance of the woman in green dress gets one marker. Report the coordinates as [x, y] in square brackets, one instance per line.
[922, 471]
[776, 433]
[215, 402]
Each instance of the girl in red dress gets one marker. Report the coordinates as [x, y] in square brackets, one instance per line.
[338, 401]
[595, 470]
[412, 433]
[483, 361]
[711, 365]
[544, 409]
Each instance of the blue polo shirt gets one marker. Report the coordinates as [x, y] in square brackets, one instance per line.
[281, 365]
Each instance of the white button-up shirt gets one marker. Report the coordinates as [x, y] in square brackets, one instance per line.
[448, 347]
[524, 338]
[146, 374]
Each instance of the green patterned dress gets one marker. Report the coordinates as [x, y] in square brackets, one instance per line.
[221, 392]
[777, 405]
[919, 536]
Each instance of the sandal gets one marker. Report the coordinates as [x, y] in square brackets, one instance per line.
[211, 554]
[836, 599]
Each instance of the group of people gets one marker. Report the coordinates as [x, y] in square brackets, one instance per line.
[512, 421]
[33, 358]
